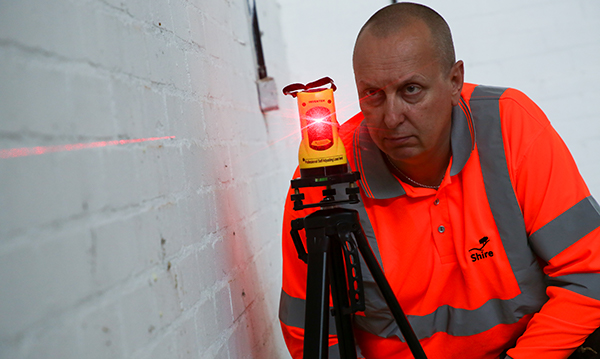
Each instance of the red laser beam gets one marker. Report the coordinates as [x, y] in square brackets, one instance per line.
[40, 150]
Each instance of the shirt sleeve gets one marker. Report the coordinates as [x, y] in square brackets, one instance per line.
[562, 220]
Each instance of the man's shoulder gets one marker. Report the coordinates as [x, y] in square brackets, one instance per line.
[496, 93]
[514, 105]
[348, 128]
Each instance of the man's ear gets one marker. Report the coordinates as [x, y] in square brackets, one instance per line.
[457, 78]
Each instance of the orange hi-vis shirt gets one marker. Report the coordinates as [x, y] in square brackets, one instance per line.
[505, 255]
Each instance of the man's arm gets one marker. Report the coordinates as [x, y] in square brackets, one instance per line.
[563, 223]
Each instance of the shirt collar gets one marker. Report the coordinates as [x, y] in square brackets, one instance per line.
[376, 179]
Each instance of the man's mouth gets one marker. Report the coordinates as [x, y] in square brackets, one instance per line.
[397, 140]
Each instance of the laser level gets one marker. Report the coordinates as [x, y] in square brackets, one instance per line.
[321, 152]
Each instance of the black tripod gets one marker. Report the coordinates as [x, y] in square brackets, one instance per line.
[334, 237]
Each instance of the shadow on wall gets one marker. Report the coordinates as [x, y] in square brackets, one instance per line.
[253, 317]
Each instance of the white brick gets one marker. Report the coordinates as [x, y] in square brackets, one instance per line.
[101, 333]
[196, 19]
[43, 280]
[33, 98]
[179, 16]
[161, 14]
[53, 339]
[223, 260]
[198, 66]
[166, 62]
[223, 310]
[138, 10]
[132, 44]
[140, 317]
[206, 165]
[148, 239]
[129, 108]
[200, 207]
[189, 281]
[187, 345]
[119, 182]
[218, 40]
[44, 189]
[206, 323]
[218, 11]
[155, 112]
[170, 225]
[241, 22]
[192, 121]
[89, 107]
[34, 23]
[165, 347]
[166, 291]
[241, 342]
[101, 38]
[114, 253]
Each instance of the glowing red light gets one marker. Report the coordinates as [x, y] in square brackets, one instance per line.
[39, 150]
[320, 134]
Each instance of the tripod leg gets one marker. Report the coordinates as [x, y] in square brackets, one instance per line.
[341, 303]
[388, 294]
[316, 320]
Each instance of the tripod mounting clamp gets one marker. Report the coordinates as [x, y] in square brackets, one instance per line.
[328, 193]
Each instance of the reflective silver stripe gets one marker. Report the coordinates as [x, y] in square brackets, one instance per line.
[291, 312]
[334, 352]
[582, 283]
[376, 179]
[462, 139]
[485, 108]
[566, 229]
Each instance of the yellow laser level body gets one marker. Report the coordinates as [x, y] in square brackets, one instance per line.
[321, 146]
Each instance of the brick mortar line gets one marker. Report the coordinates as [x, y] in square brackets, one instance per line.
[86, 67]
[86, 220]
[232, 183]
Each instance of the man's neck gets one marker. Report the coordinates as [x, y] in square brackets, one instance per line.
[426, 173]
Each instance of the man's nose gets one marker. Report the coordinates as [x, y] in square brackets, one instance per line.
[393, 112]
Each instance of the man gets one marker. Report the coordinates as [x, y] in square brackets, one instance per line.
[485, 229]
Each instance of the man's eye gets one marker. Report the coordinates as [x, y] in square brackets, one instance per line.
[412, 89]
[370, 93]
[372, 97]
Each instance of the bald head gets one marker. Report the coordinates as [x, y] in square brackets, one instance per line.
[395, 18]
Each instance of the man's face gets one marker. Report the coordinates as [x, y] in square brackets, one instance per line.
[406, 95]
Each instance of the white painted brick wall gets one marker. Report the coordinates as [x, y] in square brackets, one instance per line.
[159, 249]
